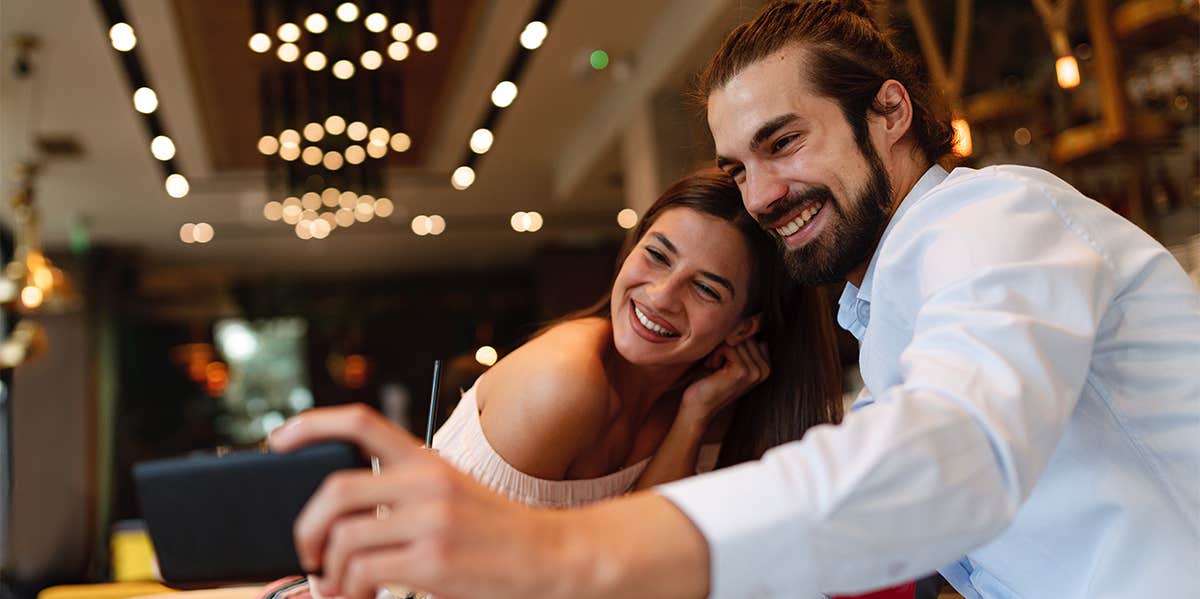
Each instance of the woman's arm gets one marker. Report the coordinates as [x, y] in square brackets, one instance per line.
[703, 404]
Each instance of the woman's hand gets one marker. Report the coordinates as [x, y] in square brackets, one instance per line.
[741, 368]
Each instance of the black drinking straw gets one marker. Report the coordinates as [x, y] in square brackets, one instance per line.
[437, 383]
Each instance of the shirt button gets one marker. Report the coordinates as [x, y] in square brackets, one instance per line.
[864, 313]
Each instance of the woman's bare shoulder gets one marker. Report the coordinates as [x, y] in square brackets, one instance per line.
[549, 400]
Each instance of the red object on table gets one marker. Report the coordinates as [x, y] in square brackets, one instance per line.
[904, 591]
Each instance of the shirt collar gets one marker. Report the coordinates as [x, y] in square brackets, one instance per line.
[847, 313]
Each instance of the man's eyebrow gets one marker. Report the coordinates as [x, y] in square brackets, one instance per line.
[769, 128]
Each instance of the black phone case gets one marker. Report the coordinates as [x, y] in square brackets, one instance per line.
[230, 518]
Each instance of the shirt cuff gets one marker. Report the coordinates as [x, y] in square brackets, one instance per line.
[756, 540]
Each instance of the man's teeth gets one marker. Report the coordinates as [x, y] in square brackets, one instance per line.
[649, 324]
[806, 215]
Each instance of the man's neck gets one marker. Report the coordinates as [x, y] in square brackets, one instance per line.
[903, 178]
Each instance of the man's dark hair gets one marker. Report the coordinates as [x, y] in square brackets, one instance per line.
[847, 60]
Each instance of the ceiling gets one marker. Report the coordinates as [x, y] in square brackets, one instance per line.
[557, 148]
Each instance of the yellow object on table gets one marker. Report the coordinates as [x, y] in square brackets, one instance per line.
[132, 556]
[106, 590]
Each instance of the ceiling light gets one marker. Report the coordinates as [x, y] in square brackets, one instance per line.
[533, 35]
[314, 132]
[260, 42]
[268, 145]
[962, 137]
[344, 217]
[376, 151]
[504, 94]
[273, 211]
[421, 225]
[290, 138]
[519, 222]
[162, 147]
[378, 136]
[348, 200]
[375, 22]
[486, 355]
[316, 23]
[481, 141]
[462, 178]
[122, 37]
[333, 160]
[371, 60]
[355, 155]
[343, 69]
[289, 153]
[437, 225]
[384, 207]
[347, 11]
[357, 131]
[535, 222]
[402, 32]
[401, 142]
[177, 185]
[320, 228]
[288, 52]
[627, 218]
[1067, 70]
[427, 41]
[288, 32]
[335, 125]
[304, 229]
[203, 232]
[187, 233]
[145, 100]
[311, 155]
[311, 201]
[330, 196]
[314, 60]
[397, 51]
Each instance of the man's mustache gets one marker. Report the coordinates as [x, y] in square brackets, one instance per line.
[782, 207]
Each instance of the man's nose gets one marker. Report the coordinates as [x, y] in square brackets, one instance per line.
[761, 191]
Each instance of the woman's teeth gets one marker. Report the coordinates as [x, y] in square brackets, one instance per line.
[806, 215]
[649, 324]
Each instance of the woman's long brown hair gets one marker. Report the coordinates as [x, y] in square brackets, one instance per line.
[805, 385]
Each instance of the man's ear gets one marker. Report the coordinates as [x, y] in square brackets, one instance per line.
[896, 121]
[744, 329]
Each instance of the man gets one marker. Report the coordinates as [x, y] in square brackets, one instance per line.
[1031, 359]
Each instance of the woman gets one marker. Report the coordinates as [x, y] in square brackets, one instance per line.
[623, 394]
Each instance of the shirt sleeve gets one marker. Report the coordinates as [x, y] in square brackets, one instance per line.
[1004, 319]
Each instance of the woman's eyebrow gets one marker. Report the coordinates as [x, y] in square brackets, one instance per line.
[718, 279]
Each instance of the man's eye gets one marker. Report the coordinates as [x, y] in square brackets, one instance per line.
[782, 143]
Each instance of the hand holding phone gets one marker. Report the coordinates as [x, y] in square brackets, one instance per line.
[230, 518]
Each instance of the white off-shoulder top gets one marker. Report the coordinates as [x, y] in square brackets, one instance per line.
[461, 442]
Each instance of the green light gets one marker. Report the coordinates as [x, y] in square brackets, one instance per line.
[599, 60]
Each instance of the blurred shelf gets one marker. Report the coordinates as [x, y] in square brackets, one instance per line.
[996, 104]
[1085, 140]
[1156, 22]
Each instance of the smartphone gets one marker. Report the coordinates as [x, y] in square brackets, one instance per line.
[229, 518]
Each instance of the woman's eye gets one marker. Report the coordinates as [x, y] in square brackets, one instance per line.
[708, 292]
[656, 255]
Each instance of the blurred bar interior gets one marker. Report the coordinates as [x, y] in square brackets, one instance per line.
[218, 214]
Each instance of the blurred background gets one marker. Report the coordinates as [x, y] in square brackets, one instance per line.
[218, 214]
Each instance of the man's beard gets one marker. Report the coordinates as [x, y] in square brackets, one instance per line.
[849, 238]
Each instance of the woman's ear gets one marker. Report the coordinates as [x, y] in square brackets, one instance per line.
[744, 329]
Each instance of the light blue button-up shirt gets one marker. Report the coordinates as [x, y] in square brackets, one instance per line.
[1032, 367]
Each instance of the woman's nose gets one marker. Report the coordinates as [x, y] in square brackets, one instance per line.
[662, 295]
